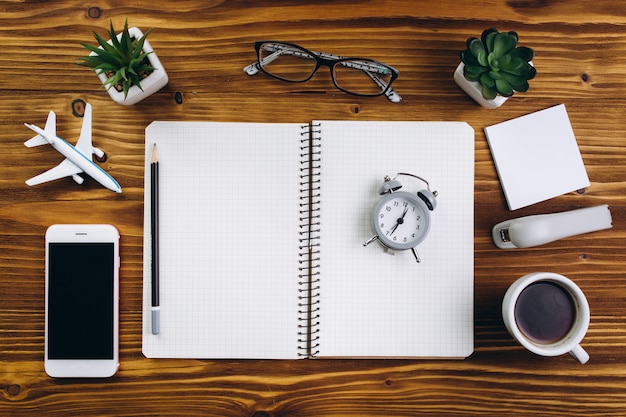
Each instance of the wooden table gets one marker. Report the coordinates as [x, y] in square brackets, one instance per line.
[581, 60]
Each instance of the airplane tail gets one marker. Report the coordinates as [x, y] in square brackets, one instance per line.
[50, 129]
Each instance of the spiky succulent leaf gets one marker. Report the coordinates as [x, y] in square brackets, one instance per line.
[497, 63]
[114, 79]
[122, 59]
[138, 45]
[115, 42]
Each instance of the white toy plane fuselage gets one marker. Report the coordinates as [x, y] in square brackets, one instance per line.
[77, 158]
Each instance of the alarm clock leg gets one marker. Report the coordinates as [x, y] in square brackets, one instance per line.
[370, 240]
[417, 257]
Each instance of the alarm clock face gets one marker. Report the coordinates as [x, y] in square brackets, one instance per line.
[401, 220]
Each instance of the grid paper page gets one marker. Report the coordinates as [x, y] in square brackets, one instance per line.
[376, 305]
[228, 240]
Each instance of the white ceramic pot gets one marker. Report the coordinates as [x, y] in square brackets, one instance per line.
[472, 89]
[150, 85]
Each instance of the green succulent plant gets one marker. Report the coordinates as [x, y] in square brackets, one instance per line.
[123, 60]
[498, 64]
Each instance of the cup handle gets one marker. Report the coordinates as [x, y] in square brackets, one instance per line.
[579, 354]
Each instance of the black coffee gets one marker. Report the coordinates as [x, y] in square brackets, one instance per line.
[544, 312]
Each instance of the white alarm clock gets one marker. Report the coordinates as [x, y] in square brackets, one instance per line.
[401, 220]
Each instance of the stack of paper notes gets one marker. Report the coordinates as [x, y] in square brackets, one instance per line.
[537, 157]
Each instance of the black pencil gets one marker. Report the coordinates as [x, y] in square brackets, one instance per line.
[154, 228]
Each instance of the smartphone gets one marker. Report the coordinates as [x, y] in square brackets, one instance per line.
[82, 301]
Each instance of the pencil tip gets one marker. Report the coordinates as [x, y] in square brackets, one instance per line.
[155, 155]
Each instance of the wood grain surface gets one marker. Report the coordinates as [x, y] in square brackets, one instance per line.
[581, 61]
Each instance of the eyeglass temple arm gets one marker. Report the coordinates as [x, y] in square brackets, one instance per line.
[278, 50]
[253, 68]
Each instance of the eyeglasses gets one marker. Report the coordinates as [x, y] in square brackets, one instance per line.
[289, 62]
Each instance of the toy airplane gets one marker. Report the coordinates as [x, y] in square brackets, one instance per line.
[77, 159]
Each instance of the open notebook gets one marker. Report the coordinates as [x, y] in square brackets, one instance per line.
[261, 241]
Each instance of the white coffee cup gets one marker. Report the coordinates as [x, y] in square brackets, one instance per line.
[530, 314]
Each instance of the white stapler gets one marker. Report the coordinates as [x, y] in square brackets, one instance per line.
[525, 232]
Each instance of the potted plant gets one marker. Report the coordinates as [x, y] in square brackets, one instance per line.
[493, 68]
[126, 65]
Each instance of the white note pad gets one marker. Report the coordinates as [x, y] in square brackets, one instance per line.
[537, 157]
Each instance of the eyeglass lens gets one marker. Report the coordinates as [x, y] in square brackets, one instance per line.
[294, 64]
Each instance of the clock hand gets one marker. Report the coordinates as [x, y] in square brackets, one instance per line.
[399, 221]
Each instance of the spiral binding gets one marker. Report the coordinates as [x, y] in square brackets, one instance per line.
[309, 242]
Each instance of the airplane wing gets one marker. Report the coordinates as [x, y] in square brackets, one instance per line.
[84, 145]
[51, 128]
[64, 169]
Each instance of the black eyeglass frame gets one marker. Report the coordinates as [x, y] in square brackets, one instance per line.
[330, 61]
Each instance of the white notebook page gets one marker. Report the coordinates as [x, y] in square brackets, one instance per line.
[228, 240]
[376, 305]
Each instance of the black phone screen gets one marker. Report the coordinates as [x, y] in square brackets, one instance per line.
[80, 300]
